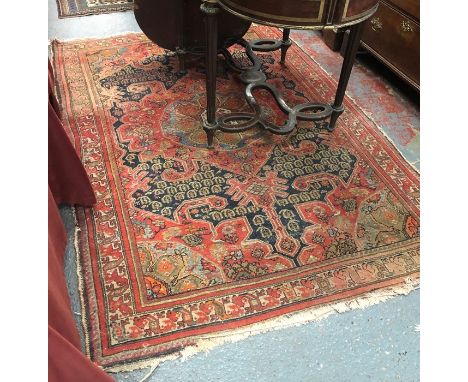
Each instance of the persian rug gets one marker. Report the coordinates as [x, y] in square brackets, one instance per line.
[187, 243]
[71, 8]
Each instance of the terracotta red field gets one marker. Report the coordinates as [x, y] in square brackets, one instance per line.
[186, 241]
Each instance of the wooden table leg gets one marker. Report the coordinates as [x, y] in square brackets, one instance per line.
[285, 44]
[348, 62]
[180, 48]
[211, 11]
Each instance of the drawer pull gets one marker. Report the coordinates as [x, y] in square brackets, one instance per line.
[406, 26]
[376, 24]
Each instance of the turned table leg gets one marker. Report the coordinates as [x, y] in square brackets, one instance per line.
[285, 44]
[211, 11]
[348, 62]
[180, 49]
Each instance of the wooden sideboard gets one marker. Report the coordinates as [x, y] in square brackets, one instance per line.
[392, 36]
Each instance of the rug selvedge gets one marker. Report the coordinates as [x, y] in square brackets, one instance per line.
[186, 241]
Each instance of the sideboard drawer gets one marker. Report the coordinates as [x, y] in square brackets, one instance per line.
[394, 38]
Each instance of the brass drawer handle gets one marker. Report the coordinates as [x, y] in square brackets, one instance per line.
[376, 24]
[406, 26]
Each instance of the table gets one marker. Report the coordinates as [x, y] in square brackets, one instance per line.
[286, 14]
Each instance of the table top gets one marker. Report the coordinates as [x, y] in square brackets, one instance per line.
[301, 14]
[172, 24]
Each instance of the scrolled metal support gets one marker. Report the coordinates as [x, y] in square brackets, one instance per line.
[254, 78]
[231, 63]
[270, 45]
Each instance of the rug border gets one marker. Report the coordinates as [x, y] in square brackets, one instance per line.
[64, 13]
[206, 342]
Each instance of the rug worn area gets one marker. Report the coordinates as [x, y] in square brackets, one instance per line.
[185, 242]
[71, 8]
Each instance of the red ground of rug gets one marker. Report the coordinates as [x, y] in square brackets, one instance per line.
[186, 241]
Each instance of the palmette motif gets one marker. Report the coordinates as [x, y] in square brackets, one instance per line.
[186, 241]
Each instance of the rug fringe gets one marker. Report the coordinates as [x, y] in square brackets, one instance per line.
[205, 343]
[79, 39]
[79, 275]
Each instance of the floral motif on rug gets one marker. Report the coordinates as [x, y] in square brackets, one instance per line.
[184, 241]
[71, 8]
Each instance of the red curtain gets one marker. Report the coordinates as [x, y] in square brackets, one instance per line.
[68, 183]
[68, 180]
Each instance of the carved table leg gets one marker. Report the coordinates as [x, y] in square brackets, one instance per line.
[211, 10]
[181, 56]
[180, 49]
[348, 62]
[285, 44]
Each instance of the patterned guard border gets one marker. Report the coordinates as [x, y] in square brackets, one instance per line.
[75, 8]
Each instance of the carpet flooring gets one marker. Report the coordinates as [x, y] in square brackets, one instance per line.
[115, 87]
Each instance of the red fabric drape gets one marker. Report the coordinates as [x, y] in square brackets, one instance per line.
[68, 180]
[60, 317]
[66, 361]
[68, 183]
[68, 364]
[52, 99]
